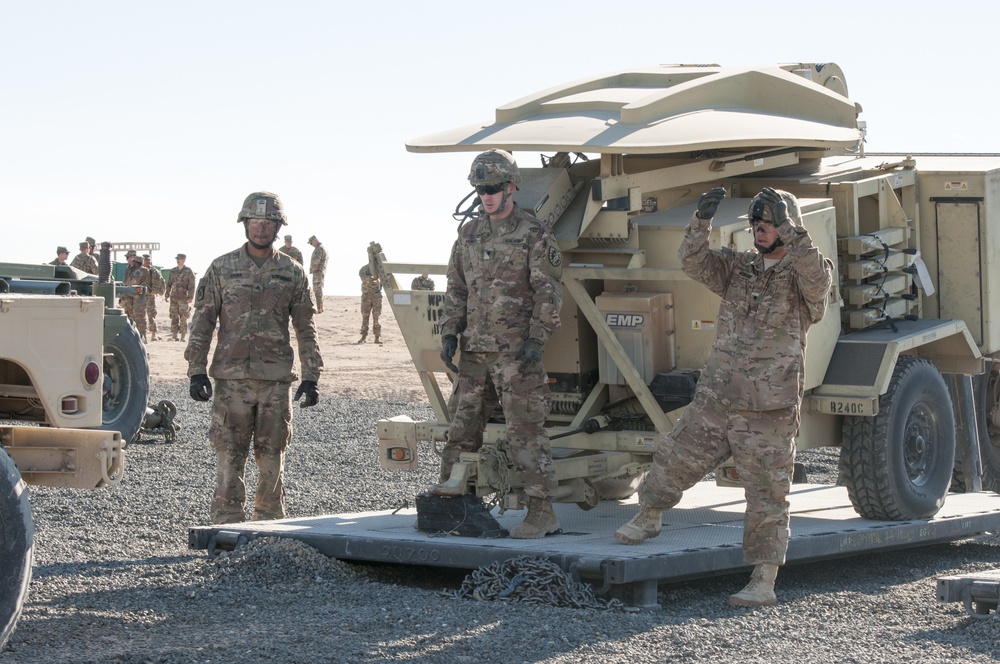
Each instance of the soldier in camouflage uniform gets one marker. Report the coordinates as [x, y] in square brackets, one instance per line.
[317, 268]
[135, 304]
[423, 282]
[62, 253]
[371, 304]
[84, 260]
[746, 405]
[154, 286]
[253, 293]
[293, 252]
[180, 292]
[502, 305]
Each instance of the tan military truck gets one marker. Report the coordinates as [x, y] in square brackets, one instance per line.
[74, 381]
[901, 373]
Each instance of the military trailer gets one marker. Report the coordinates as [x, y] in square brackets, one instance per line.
[900, 381]
[74, 382]
[900, 373]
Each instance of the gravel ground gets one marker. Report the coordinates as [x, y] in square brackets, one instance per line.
[114, 580]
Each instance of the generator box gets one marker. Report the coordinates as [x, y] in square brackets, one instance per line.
[643, 323]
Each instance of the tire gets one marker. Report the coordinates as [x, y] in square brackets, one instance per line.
[898, 464]
[987, 395]
[126, 384]
[16, 545]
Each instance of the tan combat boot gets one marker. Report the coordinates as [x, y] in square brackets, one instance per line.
[361, 340]
[541, 520]
[760, 590]
[173, 336]
[644, 525]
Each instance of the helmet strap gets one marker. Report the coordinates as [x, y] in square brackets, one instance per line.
[261, 247]
[770, 250]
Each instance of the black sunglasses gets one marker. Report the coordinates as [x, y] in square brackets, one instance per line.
[490, 189]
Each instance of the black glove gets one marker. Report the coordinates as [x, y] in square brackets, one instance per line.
[708, 202]
[201, 387]
[531, 351]
[307, 389]
[449, 345]
[778, 205]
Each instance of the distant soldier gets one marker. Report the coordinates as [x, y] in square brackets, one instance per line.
[135, 304]
[84, 260]
[62, 253]
[180, 292]
[317, 268]
[371, 303]
[254, 294]
[291, 251]
[155, 286]
[423, 282]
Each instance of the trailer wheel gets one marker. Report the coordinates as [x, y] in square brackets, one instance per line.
[987, 395]
[126, 384]
[16, 545]
[898, 464]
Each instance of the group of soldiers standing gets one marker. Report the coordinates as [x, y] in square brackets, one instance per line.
[139, 302]
[177, 290]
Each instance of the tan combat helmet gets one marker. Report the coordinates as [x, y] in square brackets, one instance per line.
[263, 205]
[494, 167]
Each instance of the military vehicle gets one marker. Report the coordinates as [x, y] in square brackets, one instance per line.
[901, 381]
[900, 372]
[74, 382]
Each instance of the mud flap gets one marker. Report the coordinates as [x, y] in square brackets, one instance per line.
[464, 515]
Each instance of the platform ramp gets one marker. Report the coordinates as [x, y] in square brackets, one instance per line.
[702, 537]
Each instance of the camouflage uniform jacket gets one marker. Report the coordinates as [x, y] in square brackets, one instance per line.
[422, 283]
[317, 262]
[154, 281]
[253, 306]
[85, 262]
[180, 284]
[292, 252]
[369, 285]
[136, 275]
[503, 283]
[758, 359]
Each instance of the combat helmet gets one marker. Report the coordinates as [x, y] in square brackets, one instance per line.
[263, 205]
[762, 210]
[494, 167]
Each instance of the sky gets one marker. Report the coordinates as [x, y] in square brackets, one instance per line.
[142, 121]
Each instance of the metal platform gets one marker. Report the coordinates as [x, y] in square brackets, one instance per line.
[978, 591]
[702, 537]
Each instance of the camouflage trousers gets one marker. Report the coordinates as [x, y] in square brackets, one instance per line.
[245, 411]
[371, 305]
[318, 278]
[151, 314]
[482, 377]
[135, 309]
[179, 312]
[762, 445]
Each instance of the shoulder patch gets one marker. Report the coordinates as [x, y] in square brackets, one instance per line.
[555, 256]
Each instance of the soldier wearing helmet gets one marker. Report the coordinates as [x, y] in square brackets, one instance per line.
[253, 292]
[180, 292]
[155, 285]
[501, 306]
[746, 405]
[317, 268]
[134, 304]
